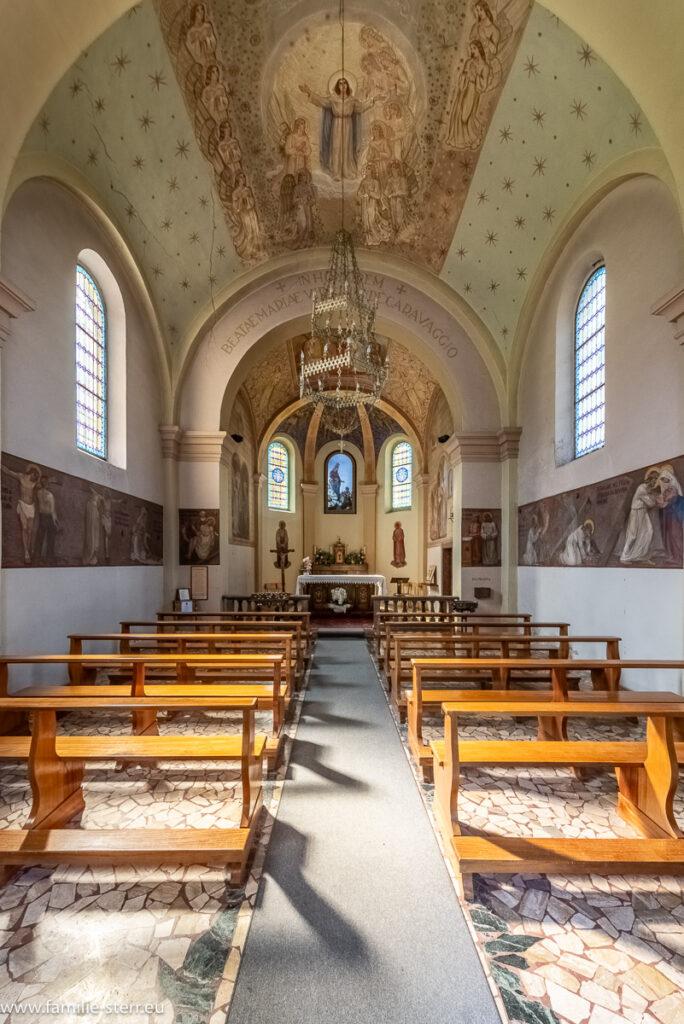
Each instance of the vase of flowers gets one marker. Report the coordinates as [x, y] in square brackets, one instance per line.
[306, 565]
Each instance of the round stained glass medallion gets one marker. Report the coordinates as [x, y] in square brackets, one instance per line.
[278, 475]
[402, 474]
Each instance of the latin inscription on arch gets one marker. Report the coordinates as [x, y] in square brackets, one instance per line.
[299, 292]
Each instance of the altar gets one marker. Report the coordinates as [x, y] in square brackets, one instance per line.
[360, 589]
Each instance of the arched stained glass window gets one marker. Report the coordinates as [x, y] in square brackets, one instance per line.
[590, 365]
[402, 475]
[278, 476]
[91, 367]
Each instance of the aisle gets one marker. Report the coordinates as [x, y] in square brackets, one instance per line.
[357, 921]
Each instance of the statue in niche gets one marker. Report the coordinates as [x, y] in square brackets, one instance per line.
[399, 546]
[282, 547]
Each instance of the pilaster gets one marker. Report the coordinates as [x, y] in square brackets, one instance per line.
[310, 495]
[369, 497]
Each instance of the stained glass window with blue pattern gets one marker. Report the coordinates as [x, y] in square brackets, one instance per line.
[91, 367]
[278, 476]
[402, 475]
[590, 365]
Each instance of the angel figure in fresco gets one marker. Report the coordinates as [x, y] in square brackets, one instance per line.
[401, 133]
[671, 515]
[287, 212]
[215, 94]
[376, 229]
[465, 127]
[391, 65]
[26, 504]
[639, 530]
[199, 36]
[297, 148]
[340, 128]
[397, 193]
[244, 214]
[579, 545]
[398, 544]
[377, 154]
[228, 151]
[304, 205]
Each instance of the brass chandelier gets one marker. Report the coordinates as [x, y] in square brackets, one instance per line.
[343, 365]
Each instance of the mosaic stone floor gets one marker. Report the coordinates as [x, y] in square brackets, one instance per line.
[167, 939]
[568, 950]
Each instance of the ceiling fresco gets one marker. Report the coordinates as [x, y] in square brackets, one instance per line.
[217, 135]
[562, 119]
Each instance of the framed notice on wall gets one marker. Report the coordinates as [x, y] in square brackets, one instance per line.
[199, 582]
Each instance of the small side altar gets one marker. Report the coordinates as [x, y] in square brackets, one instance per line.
[360, 588]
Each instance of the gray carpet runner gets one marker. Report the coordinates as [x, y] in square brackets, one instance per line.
[356, 921]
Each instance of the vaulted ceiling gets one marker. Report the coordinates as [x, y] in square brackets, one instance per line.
[205, 129]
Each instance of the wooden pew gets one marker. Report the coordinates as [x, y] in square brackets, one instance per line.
[56, 768]
[411, 649]
[647, 775]
[456, 620]
[302, 615]
[268, 694]
[211, 643]
[605, 675]
[299, 626]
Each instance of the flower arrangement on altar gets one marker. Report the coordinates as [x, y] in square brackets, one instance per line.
[306, 565]
[322, 557]
[354, 558]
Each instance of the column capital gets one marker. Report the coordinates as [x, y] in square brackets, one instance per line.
[13, 303]
[203, 446]
[170, 442]
[309, 487]
[368, 490]
[671, 306]
[259, 479]
[484, 446]
[421, 479]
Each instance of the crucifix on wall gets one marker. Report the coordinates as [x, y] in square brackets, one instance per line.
[281, 551]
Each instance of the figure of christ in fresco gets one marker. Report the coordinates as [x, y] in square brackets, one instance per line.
[201, 538]
[214, 94]
[532, 554]
[579, 547]
[671, 515]
[297, 148]
[399, 546]
[490, 534]
[639, 530]
[199, 36]
[26, 504]
[465, 128]
[340, 139]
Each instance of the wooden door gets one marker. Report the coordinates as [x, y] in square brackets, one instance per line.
[446, 569]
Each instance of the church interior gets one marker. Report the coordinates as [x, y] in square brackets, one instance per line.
[342, 586]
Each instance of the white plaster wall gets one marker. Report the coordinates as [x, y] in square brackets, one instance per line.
[44, 229]
[636, 231]
[239, 575]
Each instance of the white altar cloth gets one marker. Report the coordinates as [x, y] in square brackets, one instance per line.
[379, 582]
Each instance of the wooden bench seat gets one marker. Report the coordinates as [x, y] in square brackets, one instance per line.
[510, 855]
[214, 846]
[647, 772]
[56, 768]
